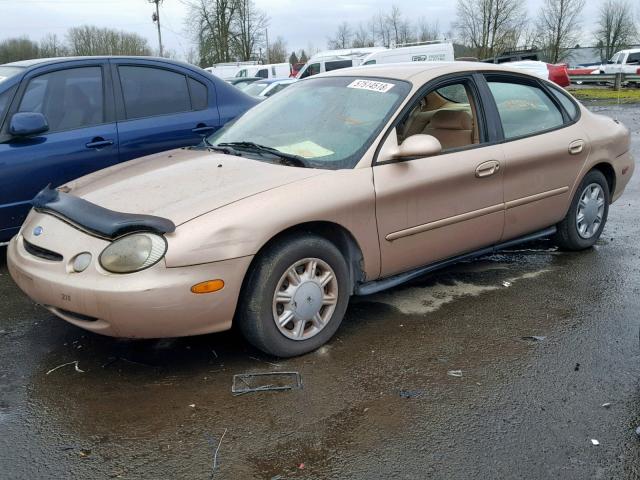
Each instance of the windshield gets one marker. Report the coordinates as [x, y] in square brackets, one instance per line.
[329, 122]
[254, 89]
[6, 72]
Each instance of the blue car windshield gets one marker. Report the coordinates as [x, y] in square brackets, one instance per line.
[328, 122]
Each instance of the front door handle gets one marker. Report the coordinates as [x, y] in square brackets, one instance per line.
[99, 143]
[202, 129]
[576, 148]
[487, 169]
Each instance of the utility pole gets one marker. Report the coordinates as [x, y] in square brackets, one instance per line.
[267, 34]
[156, 19]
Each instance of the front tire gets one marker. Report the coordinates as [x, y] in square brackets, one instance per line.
[295, 296]
[587, 215]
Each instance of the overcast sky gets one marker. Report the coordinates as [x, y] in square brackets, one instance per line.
[301, 23]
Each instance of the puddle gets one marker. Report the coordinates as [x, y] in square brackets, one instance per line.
[423, 300]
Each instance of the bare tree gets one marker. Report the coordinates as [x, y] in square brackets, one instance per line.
[249, 26]
[559, 26]
[395, 22]
[277, 51]
[342, 38]
[428, 31]
[616, 27]
[14, 49]
[52, 46]
[488, 25]
[362, 37]
[90, 40]
[383, 29]
[213, 29]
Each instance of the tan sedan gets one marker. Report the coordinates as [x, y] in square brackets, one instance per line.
[348, 183]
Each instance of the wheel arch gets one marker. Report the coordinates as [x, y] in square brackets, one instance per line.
[609, 174]
[335, 233]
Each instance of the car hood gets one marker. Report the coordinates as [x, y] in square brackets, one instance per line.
[182, 184]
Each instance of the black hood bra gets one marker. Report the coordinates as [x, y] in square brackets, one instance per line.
[97, 220]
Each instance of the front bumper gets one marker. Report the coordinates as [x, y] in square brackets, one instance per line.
[153, 303]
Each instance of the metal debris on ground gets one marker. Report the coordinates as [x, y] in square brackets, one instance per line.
[606, 405]
[595, 442]
[215, 454]
[264, 361]
[74, 363]
[265, 382]
[506, 284]
[411, 393]
[534, 338]
[455, 373]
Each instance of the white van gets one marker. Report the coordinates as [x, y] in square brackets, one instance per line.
[428, 52]
[273, 70]
[330, 60]
[228, 70]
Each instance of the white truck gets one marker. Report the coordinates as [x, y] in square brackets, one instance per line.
[329, 60]
[272, 70]
[625, 61]
[228, 70]
[423, 52]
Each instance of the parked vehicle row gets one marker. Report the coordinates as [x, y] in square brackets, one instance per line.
[331, 60]
[352, 182]
[64, 118]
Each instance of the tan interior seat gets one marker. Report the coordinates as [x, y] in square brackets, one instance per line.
[454, 128]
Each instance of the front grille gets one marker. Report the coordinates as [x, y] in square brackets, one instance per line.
[41, 252]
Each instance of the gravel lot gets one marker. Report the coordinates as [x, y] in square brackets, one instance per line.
[378, 401]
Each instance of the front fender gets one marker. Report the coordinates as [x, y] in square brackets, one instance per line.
[343, 197]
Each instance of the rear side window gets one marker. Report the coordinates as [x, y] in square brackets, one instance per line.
[566, 102]
[149, 91]
[199, 99]
[69, 99]
[524, 109]
[337, 65]
[634, 58]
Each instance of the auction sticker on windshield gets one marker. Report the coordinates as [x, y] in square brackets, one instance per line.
[307, 149]
[371, 85]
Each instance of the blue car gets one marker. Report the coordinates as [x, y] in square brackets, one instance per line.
[63, 118]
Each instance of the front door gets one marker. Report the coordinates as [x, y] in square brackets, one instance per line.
[431, 209]
[82, 138]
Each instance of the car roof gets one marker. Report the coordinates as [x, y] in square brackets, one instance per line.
[420, 71]
[52, 60]
[273, 80]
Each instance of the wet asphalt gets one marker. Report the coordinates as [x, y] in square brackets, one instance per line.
[378, 401]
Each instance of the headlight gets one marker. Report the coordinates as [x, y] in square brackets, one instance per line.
[133, 253]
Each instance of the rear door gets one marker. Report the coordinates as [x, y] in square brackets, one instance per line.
[544, 149]
[160, 108]
[77, 101]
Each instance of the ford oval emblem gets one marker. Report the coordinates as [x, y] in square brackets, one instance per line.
[38, 231]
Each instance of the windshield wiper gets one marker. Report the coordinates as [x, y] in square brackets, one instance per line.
[218, 148]
[286, 158]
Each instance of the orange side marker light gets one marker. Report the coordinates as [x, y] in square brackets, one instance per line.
[209, 286]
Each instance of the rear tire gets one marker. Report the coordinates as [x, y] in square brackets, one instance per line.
[587, 215]
[295, 296]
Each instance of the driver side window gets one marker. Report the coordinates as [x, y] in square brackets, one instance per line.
[447, 113]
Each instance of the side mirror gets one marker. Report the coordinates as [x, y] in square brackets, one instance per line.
[418, 146]
[24, 124]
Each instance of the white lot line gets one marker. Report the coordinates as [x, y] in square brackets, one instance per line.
[421, 300]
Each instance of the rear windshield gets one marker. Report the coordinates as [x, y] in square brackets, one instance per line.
[7, 72]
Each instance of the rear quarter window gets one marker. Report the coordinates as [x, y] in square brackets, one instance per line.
[199, 98]
[568, 104]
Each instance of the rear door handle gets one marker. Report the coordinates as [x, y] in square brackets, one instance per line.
[203, 129]
[99, 143]
[576, 148]
[487, 169]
